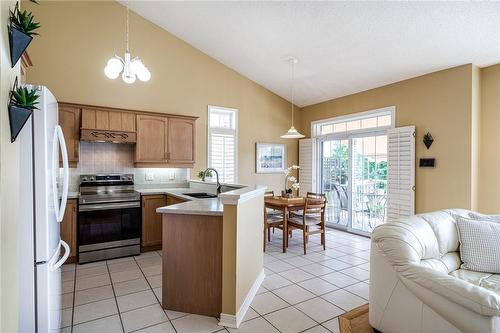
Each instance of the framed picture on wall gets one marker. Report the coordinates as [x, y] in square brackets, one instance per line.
[270, 157]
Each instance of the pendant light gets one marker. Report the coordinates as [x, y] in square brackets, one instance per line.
[292, 132]
[131, 68]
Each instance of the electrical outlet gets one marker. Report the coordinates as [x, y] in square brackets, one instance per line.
[149, 176]
[171, 175]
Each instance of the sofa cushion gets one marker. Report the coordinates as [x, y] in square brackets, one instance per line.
[444, 226]
[479, 242]
[485, 280]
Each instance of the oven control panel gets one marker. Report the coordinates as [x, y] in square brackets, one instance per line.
[106, 178]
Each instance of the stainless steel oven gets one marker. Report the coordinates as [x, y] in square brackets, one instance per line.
[109, 218]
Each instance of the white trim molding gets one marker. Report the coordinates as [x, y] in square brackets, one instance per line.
[234, 321]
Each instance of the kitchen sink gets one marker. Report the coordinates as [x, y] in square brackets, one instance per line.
[201, 195]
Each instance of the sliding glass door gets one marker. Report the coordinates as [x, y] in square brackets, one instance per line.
[335, 180]
[353, 173]
[368, 182]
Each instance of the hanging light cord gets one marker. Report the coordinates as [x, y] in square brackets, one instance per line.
[293, 78]
[127, 26]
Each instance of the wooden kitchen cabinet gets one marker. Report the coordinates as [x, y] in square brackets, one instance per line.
[171, 200]
[68, 228]
[69, 120]
[181, 137]
[165, 141]
[151, 220]
[151, 145]
[104, 120]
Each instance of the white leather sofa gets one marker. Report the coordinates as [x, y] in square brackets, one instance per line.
[417, 285]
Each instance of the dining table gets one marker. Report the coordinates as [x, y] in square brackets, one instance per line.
[285, 205]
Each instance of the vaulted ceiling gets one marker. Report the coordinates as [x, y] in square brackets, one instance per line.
[342, 47]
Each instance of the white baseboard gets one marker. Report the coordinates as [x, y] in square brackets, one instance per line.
[234, 321]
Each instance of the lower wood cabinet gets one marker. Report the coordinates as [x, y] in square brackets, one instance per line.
[151, 220]
[68, 228]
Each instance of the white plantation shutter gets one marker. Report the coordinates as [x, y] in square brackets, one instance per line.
[222, 142]
[222, 153]
[401, 172]
[306, 166]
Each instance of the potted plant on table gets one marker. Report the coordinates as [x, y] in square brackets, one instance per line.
[21, 31]
[22, 103]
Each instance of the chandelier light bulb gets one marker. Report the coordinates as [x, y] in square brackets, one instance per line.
[115, 64]
[130, 78]
[136, 66]
[144, 75]
[111, 73]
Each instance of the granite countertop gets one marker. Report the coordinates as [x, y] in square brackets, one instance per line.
[211, 206]
[193, 206]
[196, 206]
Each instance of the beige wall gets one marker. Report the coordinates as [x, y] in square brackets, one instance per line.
[77, 38]
[439, 102]
[9, 189]
[489, 180]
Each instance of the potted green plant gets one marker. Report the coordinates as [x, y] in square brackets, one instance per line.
[209, 174]
[22, 103]
[21, 31]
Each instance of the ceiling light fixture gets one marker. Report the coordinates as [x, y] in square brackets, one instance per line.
[131, 68]
[292, 132]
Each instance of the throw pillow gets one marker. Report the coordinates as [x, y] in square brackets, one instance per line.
[484, 217]
[479, 245]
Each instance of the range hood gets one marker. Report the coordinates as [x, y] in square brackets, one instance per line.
[107, 136]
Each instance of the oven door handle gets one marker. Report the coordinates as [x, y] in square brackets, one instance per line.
[107, 206]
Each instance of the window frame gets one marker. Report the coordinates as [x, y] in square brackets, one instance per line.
[386, 111]
[223, 131]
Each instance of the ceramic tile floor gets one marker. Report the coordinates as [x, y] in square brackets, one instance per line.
[299, 294]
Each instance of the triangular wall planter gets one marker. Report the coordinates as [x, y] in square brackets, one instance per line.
[19, 41]
[17, 118]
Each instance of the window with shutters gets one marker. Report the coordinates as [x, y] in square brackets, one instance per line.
[222, 142]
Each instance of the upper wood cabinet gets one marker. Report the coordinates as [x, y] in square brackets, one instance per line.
[151, 145]
[181, 136]
[161, 140]
[108, 120]
[69, 120]
[165, 141]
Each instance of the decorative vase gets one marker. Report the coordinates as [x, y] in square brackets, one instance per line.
[17, 118]
[19, 41]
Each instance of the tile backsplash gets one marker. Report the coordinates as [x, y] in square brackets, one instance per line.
[104, 157]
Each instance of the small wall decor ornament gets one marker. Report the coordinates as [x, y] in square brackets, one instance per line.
[428, 140]
[21, 31]
[22, 102]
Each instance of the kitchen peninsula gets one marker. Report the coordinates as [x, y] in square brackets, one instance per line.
[212, 254]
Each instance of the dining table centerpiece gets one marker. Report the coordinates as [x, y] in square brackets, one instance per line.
[291, 182]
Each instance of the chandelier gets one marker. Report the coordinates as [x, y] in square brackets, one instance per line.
[128, 67]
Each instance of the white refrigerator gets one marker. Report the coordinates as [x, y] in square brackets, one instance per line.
[41, 250]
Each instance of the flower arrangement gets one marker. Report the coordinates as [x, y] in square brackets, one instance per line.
[290, 178]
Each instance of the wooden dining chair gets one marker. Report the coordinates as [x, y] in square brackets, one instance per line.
[271, 221]
[312, 221]
[311, 195]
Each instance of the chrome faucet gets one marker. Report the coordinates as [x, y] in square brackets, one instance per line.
[219, 187]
